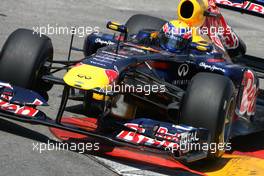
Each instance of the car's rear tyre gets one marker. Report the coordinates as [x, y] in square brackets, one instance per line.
[139, 22]
[209, 103]
[22, 60]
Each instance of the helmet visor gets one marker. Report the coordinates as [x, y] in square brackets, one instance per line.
[173, 42]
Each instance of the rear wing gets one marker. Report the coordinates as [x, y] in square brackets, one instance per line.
[252, 7]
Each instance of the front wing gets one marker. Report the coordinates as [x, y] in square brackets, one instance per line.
[142, 133]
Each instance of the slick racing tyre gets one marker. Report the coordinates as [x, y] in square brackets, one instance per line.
[22, 60]
[209, 103]
[138, 22]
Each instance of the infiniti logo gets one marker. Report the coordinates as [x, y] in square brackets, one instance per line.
[183, 70]
[84, 76]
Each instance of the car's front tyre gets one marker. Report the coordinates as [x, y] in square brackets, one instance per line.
[22, 60]
[209, 103]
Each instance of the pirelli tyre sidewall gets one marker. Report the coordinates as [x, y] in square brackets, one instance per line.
[139, 22]
[209, 103]
[22, 60]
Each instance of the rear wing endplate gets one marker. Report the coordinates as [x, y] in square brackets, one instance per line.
[251, 7]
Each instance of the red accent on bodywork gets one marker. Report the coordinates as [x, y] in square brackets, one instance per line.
[111, 74]
[215, 60]
[249, 97]
[225, 38]
[136, 138]
[256, 8]
[18, 109]
[78, 64]
[37, 102]
[159, 65]
[120, 38]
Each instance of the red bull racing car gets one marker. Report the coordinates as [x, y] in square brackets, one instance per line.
[166, 102]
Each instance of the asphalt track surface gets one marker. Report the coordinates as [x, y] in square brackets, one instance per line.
[16, 139]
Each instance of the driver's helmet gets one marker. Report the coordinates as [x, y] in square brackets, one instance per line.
[175, 36]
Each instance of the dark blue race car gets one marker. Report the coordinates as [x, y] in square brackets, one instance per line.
[144, 95]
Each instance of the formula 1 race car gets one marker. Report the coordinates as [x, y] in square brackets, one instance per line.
[165, 101]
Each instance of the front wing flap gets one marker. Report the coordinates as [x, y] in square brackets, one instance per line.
[175, 139]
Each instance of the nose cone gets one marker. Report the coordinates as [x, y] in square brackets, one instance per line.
[87, 77]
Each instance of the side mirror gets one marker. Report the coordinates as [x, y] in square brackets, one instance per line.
[117, 27]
